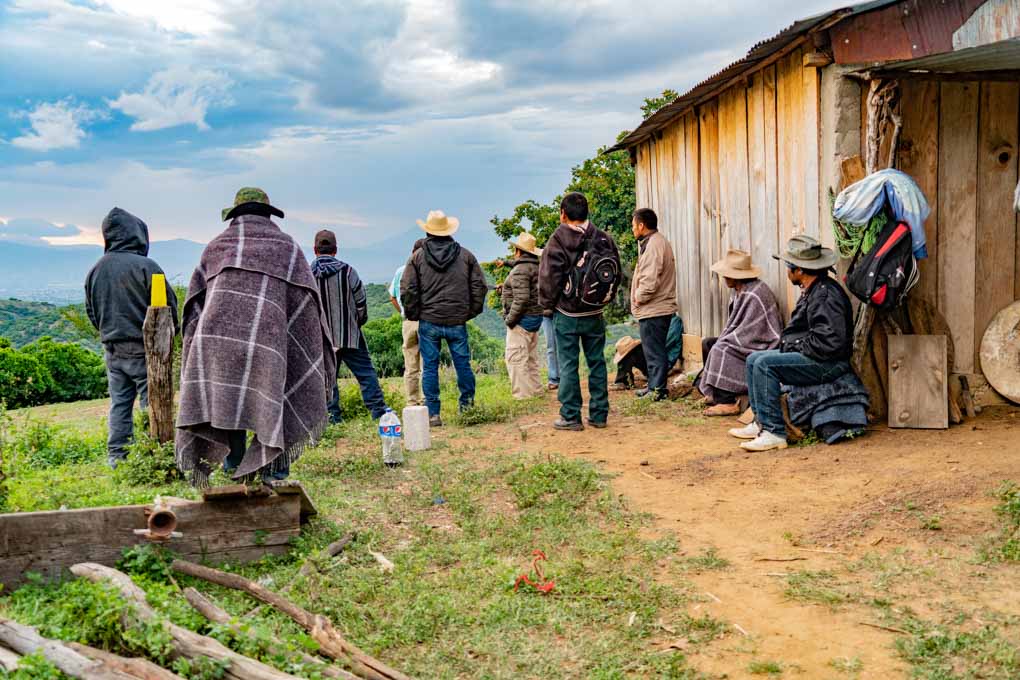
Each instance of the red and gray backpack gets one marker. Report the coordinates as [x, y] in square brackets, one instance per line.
[884, 275]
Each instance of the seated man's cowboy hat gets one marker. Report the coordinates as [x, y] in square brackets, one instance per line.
[737, 265]
[438, 224]
[250, 201]
[807, 253]
[625, 346]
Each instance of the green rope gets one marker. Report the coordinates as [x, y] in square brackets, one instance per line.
[850, 237]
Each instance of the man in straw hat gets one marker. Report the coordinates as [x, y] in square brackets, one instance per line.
[628, 358]
[257, 353]
[753, 324]
[523, 317]
[443, 288]
[814, 348]
[653, 298]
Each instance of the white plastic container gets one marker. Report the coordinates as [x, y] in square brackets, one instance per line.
[389, 432]
[416, 428]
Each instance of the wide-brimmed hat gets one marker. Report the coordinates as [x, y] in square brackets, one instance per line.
[807, 253]
[438, 224]
[527, 243]
[625, 346]
[737, 265]
[246, 198]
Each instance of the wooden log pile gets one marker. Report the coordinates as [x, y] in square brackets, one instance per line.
[80, 661]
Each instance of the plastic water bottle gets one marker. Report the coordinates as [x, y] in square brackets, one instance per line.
[392, 447]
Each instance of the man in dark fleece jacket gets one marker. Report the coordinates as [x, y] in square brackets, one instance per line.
[443, 288]
[117, 294]
[578, 326]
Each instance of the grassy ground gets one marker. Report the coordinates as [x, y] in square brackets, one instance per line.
[459, 523]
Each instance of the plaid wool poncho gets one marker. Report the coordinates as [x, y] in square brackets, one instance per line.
[256, 355]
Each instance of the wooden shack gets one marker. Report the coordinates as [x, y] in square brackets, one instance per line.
[747, 158]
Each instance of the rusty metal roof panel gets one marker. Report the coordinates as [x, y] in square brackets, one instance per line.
[1000, 56]
[758, 52]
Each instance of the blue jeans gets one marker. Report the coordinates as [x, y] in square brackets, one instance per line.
[767, 370]
[360, 363]
[430, 339]
[550, 350]
[127, 377]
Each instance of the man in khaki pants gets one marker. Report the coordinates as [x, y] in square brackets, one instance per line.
[409, 331]
[523, 317]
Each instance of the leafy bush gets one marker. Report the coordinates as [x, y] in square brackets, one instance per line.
[77, 373]
[37, 445]
[24, 381]
[148, 463]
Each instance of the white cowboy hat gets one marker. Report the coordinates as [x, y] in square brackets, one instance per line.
[527, 243]
[737, 265]
[625, 346]
[438, 224]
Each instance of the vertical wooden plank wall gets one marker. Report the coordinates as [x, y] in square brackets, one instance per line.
[711, 297]
[691, 307]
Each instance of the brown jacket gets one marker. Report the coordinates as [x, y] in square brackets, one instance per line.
[653, 288]
[520, 291]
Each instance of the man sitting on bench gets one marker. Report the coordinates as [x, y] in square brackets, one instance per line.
[814, 349]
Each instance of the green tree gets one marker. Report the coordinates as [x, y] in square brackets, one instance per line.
[607, 180]
[77, 373]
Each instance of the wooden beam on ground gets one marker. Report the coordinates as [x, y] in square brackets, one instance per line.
[186, 643]
[9, 660]
[242, 529]
[140, 668]
[158, 336]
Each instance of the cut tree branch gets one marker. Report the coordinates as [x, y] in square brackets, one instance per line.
[186, 643]
[138, 668]
[26, 640]
[213, 613]
[331, 643]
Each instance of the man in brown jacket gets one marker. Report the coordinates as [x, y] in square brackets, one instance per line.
[523, 317]
[653, 297]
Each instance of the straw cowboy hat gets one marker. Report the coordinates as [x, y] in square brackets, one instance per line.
[438, 224]
[737, 265]
[807, 253]
[625, 346]
[527, 243]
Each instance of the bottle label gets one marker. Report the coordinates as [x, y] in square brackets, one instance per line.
[389, 430]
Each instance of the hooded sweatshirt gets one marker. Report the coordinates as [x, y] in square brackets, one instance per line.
[343, 299]
[118, 289]
[443, 284]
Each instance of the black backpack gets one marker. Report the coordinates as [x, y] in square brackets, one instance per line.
[595, 277]
[883, 276]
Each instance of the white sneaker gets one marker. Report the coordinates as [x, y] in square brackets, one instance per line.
[746, 432]
[766, 441]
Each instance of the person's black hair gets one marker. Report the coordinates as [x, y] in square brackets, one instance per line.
[647, 217]
[575, 206]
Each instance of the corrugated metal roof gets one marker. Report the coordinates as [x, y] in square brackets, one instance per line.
[1000, 56]
[758, 53]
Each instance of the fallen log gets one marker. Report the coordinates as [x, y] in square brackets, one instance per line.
[331, 643]
[137, 668]
[185, 643]
[9, 660]
[213, 613]
[26, 640]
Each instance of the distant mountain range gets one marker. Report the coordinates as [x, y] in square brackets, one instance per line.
[57, 273]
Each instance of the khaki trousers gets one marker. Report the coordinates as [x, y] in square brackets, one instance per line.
[412, 363]
[522, 363]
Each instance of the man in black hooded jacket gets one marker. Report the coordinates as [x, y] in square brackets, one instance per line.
[443, 288]
[117, 295]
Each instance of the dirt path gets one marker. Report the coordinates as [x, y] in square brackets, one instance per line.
[897, 514]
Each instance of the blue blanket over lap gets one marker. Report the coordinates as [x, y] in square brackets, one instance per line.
[845, 400]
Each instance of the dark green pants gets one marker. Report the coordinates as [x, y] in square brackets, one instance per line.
[573, 335]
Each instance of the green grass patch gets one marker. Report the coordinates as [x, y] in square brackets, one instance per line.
[820, 587]
[947, 651]
[770, 668]
[1006, 546]
[708, 560]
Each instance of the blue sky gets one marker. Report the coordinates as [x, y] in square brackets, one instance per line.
[355, 115]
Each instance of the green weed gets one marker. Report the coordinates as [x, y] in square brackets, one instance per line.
[849, 666]
[765, 668]
[1008, 510]
[943, 652]
[708, 560]
[816, 586]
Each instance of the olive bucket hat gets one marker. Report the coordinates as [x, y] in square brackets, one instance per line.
[250, 200]
[807, 253]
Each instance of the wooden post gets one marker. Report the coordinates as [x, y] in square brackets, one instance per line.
[158, 334]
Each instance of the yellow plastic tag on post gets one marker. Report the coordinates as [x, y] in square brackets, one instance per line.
[158, 291]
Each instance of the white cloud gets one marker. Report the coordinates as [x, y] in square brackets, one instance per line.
[55, 125]
[198, 17]
[175, 96]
